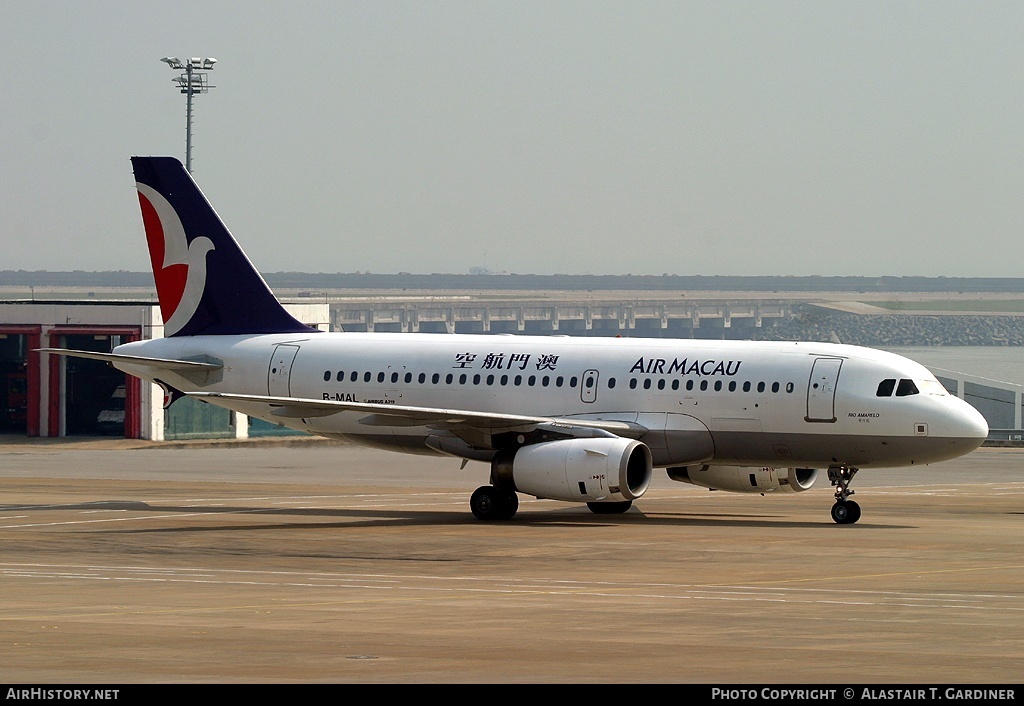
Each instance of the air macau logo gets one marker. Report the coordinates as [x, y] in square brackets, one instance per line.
[179, 267]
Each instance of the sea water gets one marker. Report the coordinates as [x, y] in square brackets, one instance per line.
[1002, 363]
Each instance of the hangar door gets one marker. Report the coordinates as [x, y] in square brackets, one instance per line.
[90, 397]
[94, 392]
[14, 397]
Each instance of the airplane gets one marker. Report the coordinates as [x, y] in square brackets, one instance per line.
[581, 420]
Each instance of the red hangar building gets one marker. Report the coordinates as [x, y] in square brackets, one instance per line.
[54, 395]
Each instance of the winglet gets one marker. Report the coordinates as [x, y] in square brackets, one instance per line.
[205, 283]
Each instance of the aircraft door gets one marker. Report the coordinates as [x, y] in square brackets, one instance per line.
[280, 371]
[588, 386]
[821, 390]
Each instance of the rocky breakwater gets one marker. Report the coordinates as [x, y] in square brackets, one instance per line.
[815, 324]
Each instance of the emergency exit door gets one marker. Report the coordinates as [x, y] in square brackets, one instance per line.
[280, 372]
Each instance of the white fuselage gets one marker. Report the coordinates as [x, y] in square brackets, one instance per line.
[731, 402]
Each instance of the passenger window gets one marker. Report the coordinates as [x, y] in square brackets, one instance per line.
[422, 378]
[647, 384]
[775, 387]
[732, 386]
[789, 387]
[327, 376]
[905, 388]
[435, 378]
[689, 384]
[632, 383]
[718, 385]
[703, 385]
[611, 383]
[746, 386]
[885, 388]
[661, 384]
[394, 377]
[408, 377]
[760, 387]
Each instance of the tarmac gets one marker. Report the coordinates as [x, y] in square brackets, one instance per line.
[306, 561]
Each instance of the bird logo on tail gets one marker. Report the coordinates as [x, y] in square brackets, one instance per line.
[179, 267]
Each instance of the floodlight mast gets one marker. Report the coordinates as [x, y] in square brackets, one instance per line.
[191, 82]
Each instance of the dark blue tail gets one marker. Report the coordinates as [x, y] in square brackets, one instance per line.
[205, 283]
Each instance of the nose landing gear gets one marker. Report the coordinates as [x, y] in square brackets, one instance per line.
[845, 511]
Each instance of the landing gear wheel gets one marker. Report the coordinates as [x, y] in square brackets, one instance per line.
[610, 508]
[846, 512]
[491, 503]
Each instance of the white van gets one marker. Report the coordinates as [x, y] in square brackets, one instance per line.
[111, 419]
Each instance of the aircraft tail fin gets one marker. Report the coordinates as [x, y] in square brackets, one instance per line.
[205, 283]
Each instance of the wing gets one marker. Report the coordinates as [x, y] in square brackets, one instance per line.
[467, 424]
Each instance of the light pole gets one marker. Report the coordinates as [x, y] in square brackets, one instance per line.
[191, 82]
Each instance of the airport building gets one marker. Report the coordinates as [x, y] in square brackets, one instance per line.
[1001, 403]
[54, 395]
[584, 314]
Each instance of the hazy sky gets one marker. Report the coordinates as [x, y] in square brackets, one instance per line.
[732, 138]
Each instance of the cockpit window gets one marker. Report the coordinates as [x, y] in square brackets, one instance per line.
[906, 388]
[886, 387]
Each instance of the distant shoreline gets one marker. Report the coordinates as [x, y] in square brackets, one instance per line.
[531, 282]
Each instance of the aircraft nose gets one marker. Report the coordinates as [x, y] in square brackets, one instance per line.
[967, 422]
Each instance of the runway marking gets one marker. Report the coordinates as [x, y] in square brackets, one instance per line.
[923, 572]
[432, 585]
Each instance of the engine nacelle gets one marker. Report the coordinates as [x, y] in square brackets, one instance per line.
[577, 470]
[738, 479]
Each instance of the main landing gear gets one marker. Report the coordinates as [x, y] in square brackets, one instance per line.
[489, 502]
[845, 511]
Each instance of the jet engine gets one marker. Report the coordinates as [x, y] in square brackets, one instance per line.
[738, 479]
[577, 470]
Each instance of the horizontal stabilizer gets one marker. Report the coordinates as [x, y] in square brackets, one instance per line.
[156, 363]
